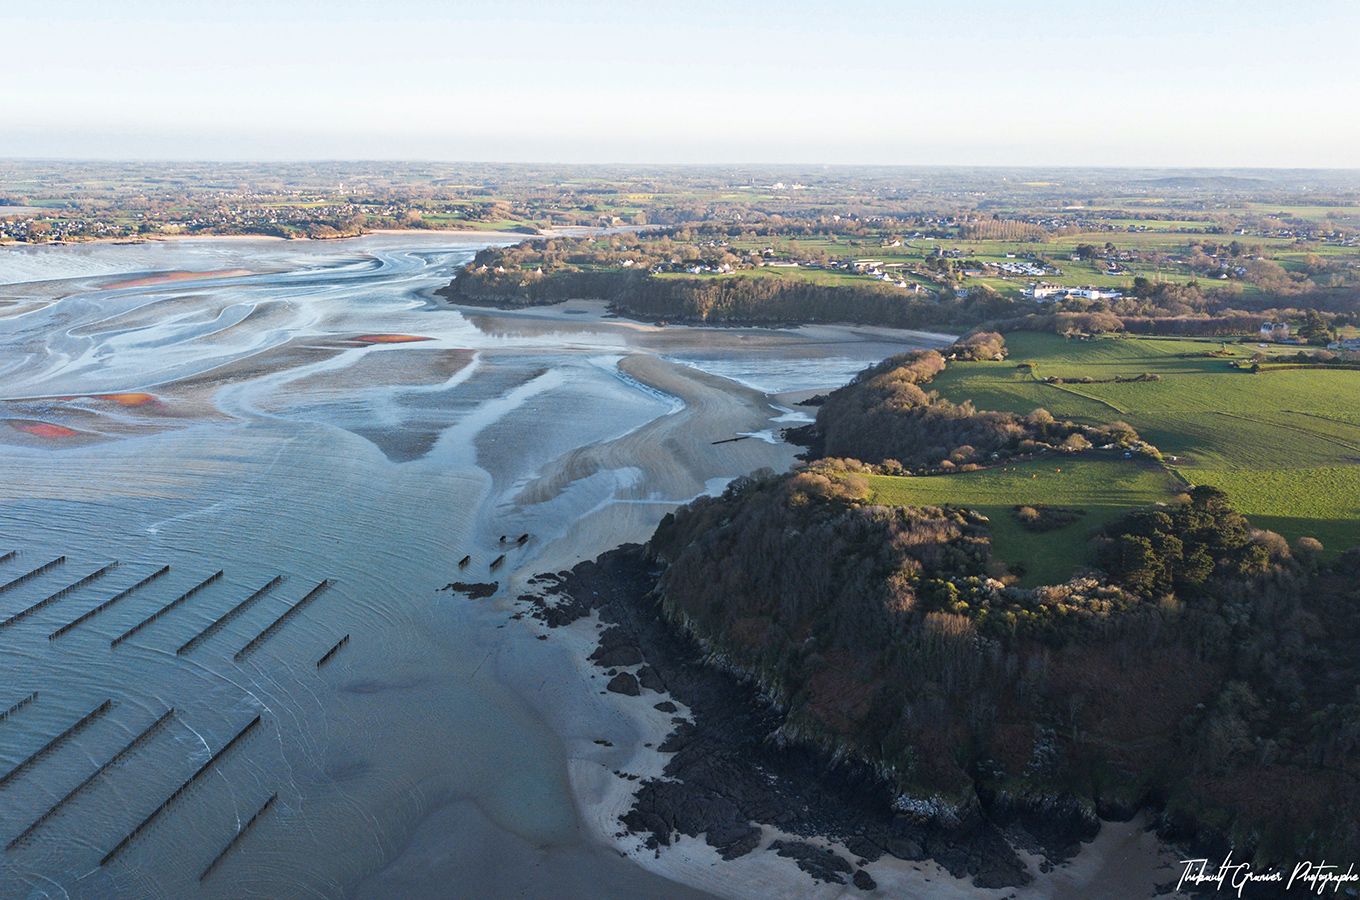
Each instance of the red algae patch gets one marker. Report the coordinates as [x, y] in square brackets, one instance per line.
[129, 398]
[168, 277]
[49, 430]
[390, 338]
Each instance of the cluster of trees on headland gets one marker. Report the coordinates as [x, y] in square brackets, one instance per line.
[1205, 669]
[771, 300]
[739, 299]
[1207, 675]
[648, 276]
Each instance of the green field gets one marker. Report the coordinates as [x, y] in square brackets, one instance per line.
[800, 273]
[1284, 444]
[1106, 486]
[1315, 213]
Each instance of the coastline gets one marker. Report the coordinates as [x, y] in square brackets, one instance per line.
[410, 764]
[614, 740]
[607, 744]
[555, 679]
[576, 309]
[690, 721]
[459, 233]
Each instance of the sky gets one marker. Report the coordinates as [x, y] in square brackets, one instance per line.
[983, 82]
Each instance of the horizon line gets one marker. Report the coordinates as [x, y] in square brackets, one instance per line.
[166, 160]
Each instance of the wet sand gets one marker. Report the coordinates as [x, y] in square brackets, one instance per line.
[419, 761]
[670, 460]
[171, 277]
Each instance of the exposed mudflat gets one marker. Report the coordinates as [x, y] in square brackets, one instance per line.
[307, 412]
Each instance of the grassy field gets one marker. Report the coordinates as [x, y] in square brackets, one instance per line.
[1284, 444]
[815, 276]
[1314, 213]
[1106, 487]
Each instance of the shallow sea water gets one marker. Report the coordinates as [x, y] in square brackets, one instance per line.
[257, 431]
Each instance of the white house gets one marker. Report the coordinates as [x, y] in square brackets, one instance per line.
[1043, 290]
[1274, 331]
[1094, 293]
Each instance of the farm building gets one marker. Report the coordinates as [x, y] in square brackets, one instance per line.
[1274, 331]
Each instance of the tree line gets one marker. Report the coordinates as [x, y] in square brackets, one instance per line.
[888, 417]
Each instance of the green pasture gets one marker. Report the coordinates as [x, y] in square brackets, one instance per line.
[1284, 444]
[1105, 485]
[799, 273]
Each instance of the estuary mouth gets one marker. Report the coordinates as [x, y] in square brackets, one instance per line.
[318, 455]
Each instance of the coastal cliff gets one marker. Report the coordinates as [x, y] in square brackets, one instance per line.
[864, 714]
[920, 703]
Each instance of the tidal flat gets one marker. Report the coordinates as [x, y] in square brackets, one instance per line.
[294, 415]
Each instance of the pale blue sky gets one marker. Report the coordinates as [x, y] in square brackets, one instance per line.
[1047, 82]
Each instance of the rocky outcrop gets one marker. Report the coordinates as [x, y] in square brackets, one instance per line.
[726, 778]
[624, 683]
